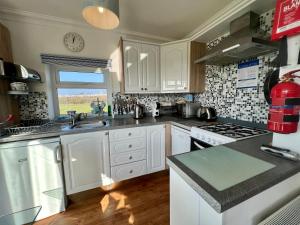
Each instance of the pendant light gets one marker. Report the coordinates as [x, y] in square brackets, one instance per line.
[103, 14]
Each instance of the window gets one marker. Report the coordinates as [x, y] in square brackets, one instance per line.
[77, 90]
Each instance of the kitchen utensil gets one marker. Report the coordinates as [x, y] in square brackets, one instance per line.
[272, 78]
[19, 86]
[280, 152]
[207, 113]
[138, 112]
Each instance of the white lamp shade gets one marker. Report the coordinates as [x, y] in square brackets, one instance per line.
[103, 14]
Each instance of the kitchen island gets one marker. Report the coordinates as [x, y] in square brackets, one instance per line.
[231, 184]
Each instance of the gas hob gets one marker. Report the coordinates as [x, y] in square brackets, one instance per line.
[222, 133]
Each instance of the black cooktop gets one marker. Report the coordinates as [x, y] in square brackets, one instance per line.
[233, 130]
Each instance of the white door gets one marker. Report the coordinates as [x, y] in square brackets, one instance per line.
[16, 189]
[86, 161]
[133, 79]
[149, 68]
[174, 67]
[155, 148]
[181, 141]
[47, 175]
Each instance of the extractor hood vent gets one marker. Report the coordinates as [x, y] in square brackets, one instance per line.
[245, 41]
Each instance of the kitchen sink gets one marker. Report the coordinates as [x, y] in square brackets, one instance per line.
[86, 125]
[90, 125]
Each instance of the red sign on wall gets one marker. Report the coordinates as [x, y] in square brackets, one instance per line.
[287, 19]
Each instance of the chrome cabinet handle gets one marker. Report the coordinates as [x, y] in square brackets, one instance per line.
[58, 157]
[23, 160]
[199, 146]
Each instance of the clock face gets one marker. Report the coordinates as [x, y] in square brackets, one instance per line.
[74, 42]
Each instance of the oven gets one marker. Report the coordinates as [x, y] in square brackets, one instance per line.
[198, 145]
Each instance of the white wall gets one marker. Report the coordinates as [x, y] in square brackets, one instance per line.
[29, 40]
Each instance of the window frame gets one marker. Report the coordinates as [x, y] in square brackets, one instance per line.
[56, 84]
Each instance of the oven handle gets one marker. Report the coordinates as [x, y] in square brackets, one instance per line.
[198, 145]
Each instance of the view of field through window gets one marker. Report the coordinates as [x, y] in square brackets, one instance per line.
[80, 99]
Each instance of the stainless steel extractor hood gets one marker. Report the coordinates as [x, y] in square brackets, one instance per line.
[245, 41]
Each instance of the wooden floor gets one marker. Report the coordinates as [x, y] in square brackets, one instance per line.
[140, 201]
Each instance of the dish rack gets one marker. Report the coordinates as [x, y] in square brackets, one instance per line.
[29, 127]
[287, 215]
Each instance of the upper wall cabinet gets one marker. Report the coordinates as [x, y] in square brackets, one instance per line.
[141, 67]
[178, 71]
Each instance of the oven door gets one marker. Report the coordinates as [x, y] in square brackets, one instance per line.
[198, 145]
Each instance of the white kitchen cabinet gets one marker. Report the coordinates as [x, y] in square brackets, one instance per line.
[149, 68]
[181, 140]
[179, 73]
[174, 67]
[16, 189]
[86, 161]
[156, 148]
[141, 67]
[127, 171]
[133, 80]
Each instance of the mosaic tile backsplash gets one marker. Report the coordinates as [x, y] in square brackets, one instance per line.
[34, 106]
[221, 93]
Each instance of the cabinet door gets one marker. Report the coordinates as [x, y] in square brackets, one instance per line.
[86, 161]
[16, 189]
[149, 68]
[174, 67]
[133, 80]
[155, 148]
[181, 141]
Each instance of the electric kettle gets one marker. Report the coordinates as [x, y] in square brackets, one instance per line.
[138, 111]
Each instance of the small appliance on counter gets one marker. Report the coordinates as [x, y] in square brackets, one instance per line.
[155, 109]
[207, 114]
[188, 109]
[167, 108]
[138, 112]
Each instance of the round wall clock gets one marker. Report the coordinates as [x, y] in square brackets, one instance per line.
[74, 42]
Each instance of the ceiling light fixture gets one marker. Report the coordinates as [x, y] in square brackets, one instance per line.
[103, 14]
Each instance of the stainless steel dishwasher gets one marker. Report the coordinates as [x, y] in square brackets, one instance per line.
[31, 175]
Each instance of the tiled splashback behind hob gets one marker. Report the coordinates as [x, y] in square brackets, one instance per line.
[221, 92]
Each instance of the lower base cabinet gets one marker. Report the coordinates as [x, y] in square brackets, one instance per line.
[101, 158]
[140, 153]
[127, 171]
[86, 161]
[156, 155]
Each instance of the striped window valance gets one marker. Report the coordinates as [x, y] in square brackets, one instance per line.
[75, 61]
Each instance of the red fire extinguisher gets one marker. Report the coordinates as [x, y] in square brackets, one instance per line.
[284, 110]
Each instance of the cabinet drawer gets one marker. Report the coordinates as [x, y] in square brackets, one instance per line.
[125, 134]
[128, 146]
[127, 157]
[128, 171]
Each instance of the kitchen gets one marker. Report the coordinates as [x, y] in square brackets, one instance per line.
[113, 114]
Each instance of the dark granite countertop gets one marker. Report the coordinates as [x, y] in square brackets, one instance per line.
[59, 129]
[225, 199]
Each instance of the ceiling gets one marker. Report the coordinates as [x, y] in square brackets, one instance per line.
[165, 18]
